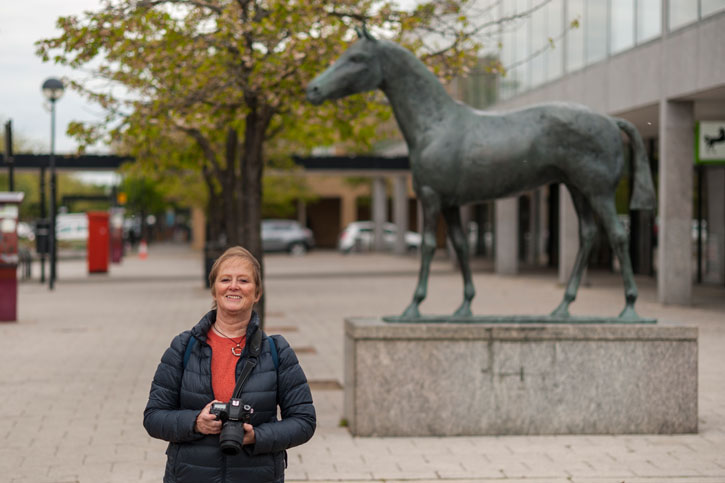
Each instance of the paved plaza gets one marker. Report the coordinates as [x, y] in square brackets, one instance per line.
[76, 369]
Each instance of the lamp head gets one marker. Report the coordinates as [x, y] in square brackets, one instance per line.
[53, 89]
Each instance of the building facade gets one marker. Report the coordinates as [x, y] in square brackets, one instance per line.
[659, 64]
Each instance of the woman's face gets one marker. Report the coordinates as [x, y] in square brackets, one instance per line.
[234, 290]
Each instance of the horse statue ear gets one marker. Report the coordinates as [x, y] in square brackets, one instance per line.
[367, 34]
[363, 32]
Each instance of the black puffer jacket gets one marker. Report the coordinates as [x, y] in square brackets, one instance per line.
[178, 395]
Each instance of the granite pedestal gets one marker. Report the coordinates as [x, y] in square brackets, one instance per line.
[433, 379]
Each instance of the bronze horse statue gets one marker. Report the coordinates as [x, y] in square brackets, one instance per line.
[459, 155]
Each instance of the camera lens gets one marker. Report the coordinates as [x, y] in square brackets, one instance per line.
[231, 438]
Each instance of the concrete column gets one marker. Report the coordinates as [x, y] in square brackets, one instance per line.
[715, 248]
[568, 234]
[400, 212]
[380, 209]
[506, 260]
[674, 264]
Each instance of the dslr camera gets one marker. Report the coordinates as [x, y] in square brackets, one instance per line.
[233, 416]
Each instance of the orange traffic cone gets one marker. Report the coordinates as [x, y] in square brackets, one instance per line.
[143, 250]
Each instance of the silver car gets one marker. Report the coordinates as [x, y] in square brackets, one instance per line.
[358, 236]
[286, 236]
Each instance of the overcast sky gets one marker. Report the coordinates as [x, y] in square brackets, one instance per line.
[22, 73]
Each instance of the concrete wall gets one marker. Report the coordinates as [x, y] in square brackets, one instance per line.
[496, 379]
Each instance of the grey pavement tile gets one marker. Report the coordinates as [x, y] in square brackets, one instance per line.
[98, 340]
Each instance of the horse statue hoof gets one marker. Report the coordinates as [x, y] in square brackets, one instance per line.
[463, 311]
[629, 314]
[561, 311]
[411, 312]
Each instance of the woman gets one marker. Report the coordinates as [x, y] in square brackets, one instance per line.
[201, 368]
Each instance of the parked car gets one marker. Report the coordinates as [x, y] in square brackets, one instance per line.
[286, 235]
[359, 236]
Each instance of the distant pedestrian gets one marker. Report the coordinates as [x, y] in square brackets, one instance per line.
[202, 369]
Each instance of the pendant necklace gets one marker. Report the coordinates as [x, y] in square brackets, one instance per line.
[237, 349]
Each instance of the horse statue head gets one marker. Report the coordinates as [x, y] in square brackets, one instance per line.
[357, 70]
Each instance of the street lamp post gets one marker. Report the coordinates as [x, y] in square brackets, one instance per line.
[52, 90]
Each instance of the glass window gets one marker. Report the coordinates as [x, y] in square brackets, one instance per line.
[708, 7]
[681, 13]
[522, 48]
[595, 31]
[649, 19]
[574, 39]
[622, 25]
[539, 43]
[554, 59]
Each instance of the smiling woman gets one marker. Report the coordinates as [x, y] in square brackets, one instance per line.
[224, 362]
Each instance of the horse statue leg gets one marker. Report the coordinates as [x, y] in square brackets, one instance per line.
[605, 208]
[452, 215]
[587, 232]
[431, 210]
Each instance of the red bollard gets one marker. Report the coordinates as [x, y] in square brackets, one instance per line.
[98, 247]
[9, 209]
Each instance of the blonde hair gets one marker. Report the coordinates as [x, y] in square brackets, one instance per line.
[236, 252]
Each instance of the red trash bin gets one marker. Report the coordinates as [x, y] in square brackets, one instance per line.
[9, 209]
[98, 242]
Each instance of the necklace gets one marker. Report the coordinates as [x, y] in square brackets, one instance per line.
[237, 349]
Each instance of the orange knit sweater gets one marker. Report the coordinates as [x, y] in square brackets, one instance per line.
[223, 365]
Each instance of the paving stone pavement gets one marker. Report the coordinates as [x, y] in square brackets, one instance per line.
[75, 372]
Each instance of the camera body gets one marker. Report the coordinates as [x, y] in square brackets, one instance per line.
[233, 416]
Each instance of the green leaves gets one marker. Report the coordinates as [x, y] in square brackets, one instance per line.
[174, 76]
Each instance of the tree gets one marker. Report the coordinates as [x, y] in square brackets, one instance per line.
[229, 76]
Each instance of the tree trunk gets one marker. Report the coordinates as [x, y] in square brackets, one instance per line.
[214, 216]
[231, 214]
[252, 166]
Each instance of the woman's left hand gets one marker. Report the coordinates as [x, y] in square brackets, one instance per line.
[248, 434]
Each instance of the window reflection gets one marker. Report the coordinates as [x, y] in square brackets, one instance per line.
[575, 37]
[553, 58]
[595, 29]
[649, 19]
[622, 33]
[708, 7]
[681, 13]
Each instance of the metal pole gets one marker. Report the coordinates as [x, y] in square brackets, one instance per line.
[52, 196]
[43, 215]
[9, 154]
[699, 221]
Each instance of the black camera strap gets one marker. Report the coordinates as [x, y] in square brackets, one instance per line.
[255, 347]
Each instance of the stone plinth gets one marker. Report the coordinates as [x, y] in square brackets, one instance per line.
[504, 379]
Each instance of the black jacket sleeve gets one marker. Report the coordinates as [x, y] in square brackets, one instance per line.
[295, 401]
[163, 416]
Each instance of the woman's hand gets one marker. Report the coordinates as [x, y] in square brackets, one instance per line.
[249, 437]
[207, 423]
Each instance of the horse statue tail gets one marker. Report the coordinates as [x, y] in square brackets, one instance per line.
[643, 191]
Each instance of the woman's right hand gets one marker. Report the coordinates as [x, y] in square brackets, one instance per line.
[207, 423]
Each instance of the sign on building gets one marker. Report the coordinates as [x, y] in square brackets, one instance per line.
[710, 147]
